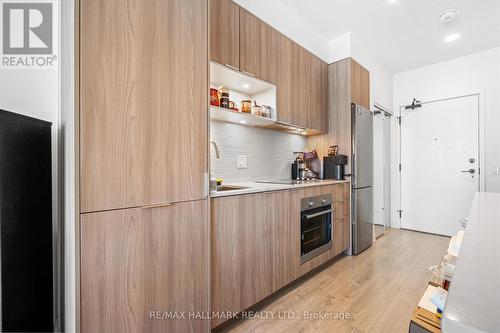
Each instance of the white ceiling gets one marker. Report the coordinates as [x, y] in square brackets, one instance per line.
[406, 34]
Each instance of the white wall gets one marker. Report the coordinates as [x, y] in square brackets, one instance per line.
[269, 152]
[476, 73]
[339, 48]
[67, 111]
[381, 78]
[285, 20]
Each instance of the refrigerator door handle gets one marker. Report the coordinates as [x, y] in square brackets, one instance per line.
[353, 170]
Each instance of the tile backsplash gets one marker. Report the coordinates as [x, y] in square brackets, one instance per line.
[269, 153]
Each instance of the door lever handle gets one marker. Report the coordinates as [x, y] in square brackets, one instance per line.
[469, 171]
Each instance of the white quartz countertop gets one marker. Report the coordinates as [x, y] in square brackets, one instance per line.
[473, 303]
[254, 187]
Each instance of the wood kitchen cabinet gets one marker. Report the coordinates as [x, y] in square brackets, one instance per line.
[110, 162]
[348, 82]
[287, 78]
[143, 124]
[143, 102]
[255, 48]
[173, 85]
[302, 88]
[225, 33]
[318, 100]
[256, 243]
[258, 48]
[360, 84]
[242, 251]
[135, 261]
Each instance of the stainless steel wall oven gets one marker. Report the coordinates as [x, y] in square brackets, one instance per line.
[315, 226]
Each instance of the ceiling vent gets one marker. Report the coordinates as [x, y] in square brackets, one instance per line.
[448, 15]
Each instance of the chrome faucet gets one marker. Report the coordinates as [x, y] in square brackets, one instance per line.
[217, 151]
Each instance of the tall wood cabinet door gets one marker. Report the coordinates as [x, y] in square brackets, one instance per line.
[365, 87]
[179, 264]
[286, 210]
[304, 112]
[258, 47]
[339, 105]
[114, 268]
[225, 33]
[287, 73]
[138, 261]
[318, 108]
[110, 164]
[242, 252]
[323, 104]
[173, 85]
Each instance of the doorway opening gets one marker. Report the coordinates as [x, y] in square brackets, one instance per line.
[382, 170]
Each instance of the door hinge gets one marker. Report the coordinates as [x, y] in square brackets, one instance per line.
[400, 212]
[399, 167]
[399, 120]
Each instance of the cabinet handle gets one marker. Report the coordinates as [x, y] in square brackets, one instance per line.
[282, 123]
[157, 205]
[248, 73]
[232, 67]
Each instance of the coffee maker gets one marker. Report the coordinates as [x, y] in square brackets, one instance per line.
[299, 167]
[333, 167]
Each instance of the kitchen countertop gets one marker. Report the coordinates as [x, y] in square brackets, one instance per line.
[473, 303]
[253, 187]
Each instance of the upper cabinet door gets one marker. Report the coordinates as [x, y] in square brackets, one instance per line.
[258, 47]
[225, 33]
[318, 119]
[173, 81]
[287, 90]
[360, 84]
[110, 165]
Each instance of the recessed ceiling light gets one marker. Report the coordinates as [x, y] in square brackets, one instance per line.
[451, 38]
[246, 86]
[243, 121]
[447, 16]
[392, 1]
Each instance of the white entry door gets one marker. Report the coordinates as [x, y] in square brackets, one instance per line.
[439, 164]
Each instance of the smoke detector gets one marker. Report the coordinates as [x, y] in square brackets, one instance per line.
[447, 16]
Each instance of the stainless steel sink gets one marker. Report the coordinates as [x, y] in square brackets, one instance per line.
[230, 188]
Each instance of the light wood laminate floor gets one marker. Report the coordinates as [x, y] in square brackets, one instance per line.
[379, 288]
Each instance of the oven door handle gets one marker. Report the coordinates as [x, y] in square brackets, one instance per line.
[324, 212]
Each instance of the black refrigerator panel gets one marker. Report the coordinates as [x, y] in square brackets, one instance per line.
[26, 224]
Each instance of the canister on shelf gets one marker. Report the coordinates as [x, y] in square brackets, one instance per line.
[246, 106]
[214, 97]
[256, 109]
[224, 99]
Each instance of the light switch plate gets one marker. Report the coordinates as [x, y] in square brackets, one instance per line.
[241, 161]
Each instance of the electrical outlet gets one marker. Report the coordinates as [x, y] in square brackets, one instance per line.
[241, 161]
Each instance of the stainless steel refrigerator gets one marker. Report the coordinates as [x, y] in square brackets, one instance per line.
[361, 178]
